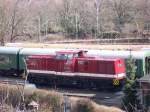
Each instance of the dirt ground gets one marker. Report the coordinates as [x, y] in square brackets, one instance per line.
[79, 46]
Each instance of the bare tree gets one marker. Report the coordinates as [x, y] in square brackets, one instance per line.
[18, 20]
[14, 22]
[142, 12]
[3, 21]
[97, 6]
[79, 17]
[73, 18]
[122, 11]
[64, 16]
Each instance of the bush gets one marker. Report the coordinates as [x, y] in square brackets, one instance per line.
[10, 95]
[48, 101]
[86, 105]
[51, 101]
[83, 105]
[109, 35]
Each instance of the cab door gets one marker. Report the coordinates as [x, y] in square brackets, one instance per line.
[69, 64]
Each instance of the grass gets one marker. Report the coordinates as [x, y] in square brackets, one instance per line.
[55, 37]
[86, 105]
[12, 96]
[49, 101]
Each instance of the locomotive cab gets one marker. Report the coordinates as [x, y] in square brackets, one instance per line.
[68, 58]
[70, 54]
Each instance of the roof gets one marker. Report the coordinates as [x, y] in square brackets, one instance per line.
[119, 54]
[101, 59]
[146, 49]
[38, 51]
[9, 50]
[70, 51]
[42, 56]
[145, 78]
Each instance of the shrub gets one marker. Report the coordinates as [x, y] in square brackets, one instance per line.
[86, 105]
[48, 100]
[10, 95]
[109, 35]
[83, 105]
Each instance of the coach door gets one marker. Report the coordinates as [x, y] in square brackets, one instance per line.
[147, 64]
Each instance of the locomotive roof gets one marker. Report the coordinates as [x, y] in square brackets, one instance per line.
[119, 54]
[146, 49]
[70, 51]
[9, 50]
[102, 59]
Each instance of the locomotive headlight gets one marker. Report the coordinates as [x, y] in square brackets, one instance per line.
[119, 65]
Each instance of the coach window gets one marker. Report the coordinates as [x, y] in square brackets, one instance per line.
[4, 59]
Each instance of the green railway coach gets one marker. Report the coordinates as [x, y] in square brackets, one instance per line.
[12, 58]
[9, 63]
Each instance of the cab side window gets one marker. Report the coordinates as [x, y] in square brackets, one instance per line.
[61, 56]
[76, 55]
[70, 56]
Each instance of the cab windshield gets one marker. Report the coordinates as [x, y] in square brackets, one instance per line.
[64, 56]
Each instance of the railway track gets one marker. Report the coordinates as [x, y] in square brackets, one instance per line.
[101, 97]
[13, 81]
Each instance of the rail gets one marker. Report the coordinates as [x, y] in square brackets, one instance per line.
[106, 100]
[106, 41]
[11, 82]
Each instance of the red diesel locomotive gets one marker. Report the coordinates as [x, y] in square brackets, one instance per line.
[73, 67]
